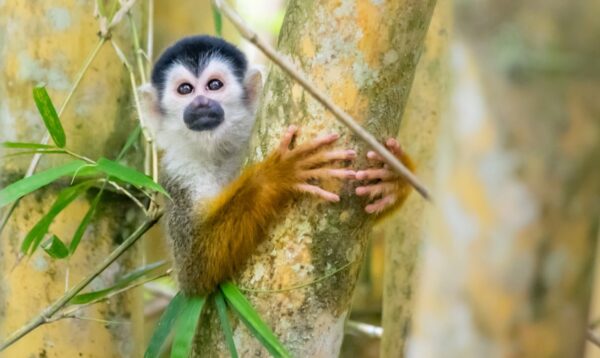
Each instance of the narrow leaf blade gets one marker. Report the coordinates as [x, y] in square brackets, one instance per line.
[252, 320]
[131, 139]
[25, 145]
[164, 326]
[129, 175]
[49, 116]
[27, 185]
[218, 20]
[225, 326]
[121, 283]
[185, 328]
[55, 248]
[85, 222]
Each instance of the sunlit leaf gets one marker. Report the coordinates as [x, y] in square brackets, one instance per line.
[218, 20]
[185, 328]
[25, 145]
[49, 116]
[164, 326]
[121, 283]
[85, 222]
[225, 326]
[41, 151]
[39, 230]
[55, 248]
[252, 320]
[131, 139]
[129, 175]
[27, 185]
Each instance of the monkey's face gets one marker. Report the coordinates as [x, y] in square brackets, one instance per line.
[203, 101]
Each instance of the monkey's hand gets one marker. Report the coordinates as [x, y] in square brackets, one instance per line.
[385, 189]
[311, 161]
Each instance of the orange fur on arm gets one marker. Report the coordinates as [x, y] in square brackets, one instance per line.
[231, 225]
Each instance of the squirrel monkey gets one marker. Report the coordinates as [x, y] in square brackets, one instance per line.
[201, 108]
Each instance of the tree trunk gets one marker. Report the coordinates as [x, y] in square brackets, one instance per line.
[418, 136]
[44, 42]
[364, 54]
[508, 259]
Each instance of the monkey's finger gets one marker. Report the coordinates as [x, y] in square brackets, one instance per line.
[327, 157]
[375, 190]
[313, 145]
[397, 150]
[381, 204]
[320, 192]
[286, 140]
[325, 173]
[373, 156]
[372, 174]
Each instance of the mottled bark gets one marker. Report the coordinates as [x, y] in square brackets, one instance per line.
[49, 42]
[509, 255]
[364, 54]
[418, 136]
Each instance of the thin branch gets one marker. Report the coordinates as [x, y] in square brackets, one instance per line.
[593, 337]
[128, 194]
[150, 34]
[48, 313]
[321, 97]
[364, 329]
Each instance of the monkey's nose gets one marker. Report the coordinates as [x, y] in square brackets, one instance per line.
[200, 102]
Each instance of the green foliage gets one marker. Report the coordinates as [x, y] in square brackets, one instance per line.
[218, 20]
[164, 326]
[85, 222]
[225, 326]
[55, 248]
[23, 145]
[185, 328]
[252, 320]
[129, 175]
[122, 283]
[49, 116]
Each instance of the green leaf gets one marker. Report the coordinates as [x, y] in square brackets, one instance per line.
[185, 328]
[218, 20]
[41, 151]
[164, 326]
[131, 139]
[24, 145]
[25, 186]
[252, 320]
[65, 197]
[222, 310]
[55, 248]
[122, 283]
[85, 222]
[49, 116]
[129, 175]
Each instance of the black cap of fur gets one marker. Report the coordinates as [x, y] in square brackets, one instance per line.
[194, 52]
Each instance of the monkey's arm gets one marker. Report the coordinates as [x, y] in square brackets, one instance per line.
[231, 225]
[385, 189]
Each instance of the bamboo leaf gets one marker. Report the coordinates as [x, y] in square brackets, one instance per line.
[64, 198]
[41, 151]
[27, 185]
[121, 283]
[222, 310]
[25, 145]
[131, 139]
[55, 248]
[129, 175]
[218, 20]
[49, 116]
[85, 222]
[185, 328]
[252, 320]
[164, 326]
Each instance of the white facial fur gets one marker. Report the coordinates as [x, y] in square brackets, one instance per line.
[204, 161]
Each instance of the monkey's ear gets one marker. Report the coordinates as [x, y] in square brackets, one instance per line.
[253, 84]
[150, 107]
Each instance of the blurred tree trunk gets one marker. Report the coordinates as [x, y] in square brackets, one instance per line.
[508, 259]
[418, 136]
[364, 54]
[49, 42]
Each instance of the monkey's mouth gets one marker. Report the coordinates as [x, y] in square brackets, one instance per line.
[203, 120]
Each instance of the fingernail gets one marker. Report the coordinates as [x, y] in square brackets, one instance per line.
[371, 154]
[391, 142]
[351, 153]
[360, 175]
[335, 135]
[351, 174]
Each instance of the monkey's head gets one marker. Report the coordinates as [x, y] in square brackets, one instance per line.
[202, 95]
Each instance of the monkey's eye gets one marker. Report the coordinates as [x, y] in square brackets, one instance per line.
[214, 85]
[185, 88]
